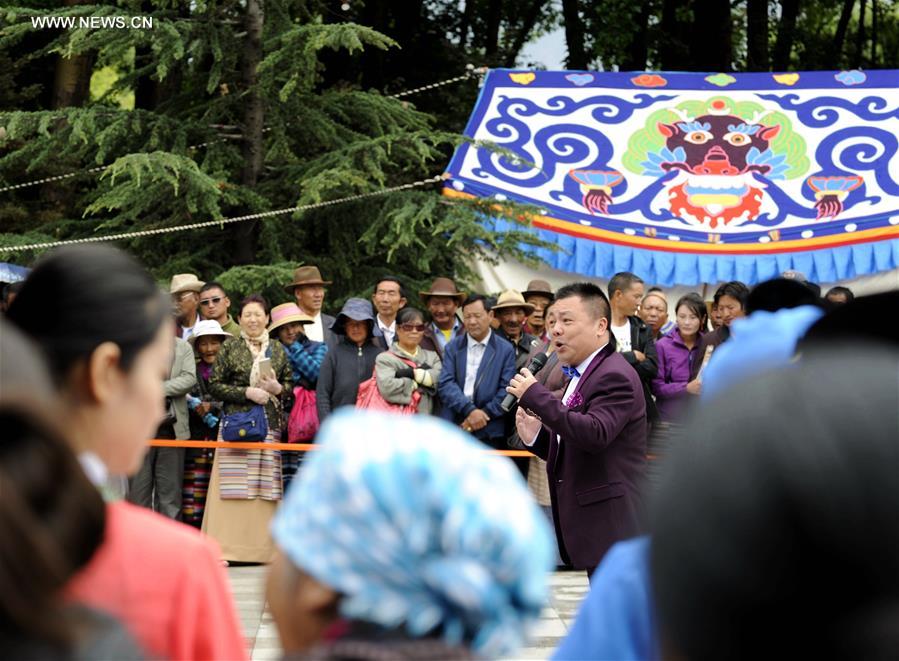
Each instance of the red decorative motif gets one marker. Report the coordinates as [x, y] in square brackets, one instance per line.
[649, 80]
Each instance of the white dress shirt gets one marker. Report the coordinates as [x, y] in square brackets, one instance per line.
[473, 361]
[388, 331]
[315, 330]
[571, 388]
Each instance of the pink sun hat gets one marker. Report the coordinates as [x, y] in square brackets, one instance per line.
[287, 313]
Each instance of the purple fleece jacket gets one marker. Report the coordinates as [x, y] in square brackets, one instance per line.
[670, 383]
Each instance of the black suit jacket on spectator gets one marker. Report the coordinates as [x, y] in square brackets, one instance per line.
[523, 347]
[641, 340]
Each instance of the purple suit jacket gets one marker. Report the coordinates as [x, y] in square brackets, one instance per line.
[596, 473]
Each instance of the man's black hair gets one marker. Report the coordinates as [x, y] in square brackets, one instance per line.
[213, 285]
[840, 290]
[622, 282]
[592, 295]
[734, 289]
[474, 298]
[391, 278]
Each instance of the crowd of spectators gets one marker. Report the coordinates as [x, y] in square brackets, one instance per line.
[400, 536]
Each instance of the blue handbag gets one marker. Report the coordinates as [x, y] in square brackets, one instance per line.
[245, 426]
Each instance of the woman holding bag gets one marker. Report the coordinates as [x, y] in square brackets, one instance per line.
[246, 484]
[407, 368]
[305, 356]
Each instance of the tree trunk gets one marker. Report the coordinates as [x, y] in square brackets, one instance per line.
[710, 45]
[860, 35]
[673, 54]
[72, 78]
[150, 93]
[491, 38]
[840, 36]
[254, 117]
[72, 83]
[465, 23]
[527, 25]
[874, 28]
[574, 35]
[638, 50]
[785, 34]
[757, 35]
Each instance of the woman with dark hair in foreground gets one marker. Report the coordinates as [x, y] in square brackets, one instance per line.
[52, 520]
[108, 344]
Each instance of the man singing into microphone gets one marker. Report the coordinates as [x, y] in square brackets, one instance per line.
[594, 440]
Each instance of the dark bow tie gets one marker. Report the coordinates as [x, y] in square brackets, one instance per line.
[570, 372]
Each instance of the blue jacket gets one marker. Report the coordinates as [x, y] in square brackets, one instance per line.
[616, 621]
[496, 370]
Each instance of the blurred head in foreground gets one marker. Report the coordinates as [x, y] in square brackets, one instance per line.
[401, 530]
[51, 517]
[777, 528]
[108, 344]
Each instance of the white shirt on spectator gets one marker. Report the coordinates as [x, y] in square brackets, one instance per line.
[315, 330]
[473, 362]
[388, 331]
[622, 336]
[188, 331]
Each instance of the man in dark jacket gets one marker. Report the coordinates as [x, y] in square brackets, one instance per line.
[308, 289]
[350, 361]
[511, 310]
[477, 367]
[730, 298]
[442, 301]
[633, 337]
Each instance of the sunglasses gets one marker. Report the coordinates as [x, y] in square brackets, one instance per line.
[418, 328]
[211, 301]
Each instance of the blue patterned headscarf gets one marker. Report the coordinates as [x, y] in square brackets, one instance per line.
[415, 525]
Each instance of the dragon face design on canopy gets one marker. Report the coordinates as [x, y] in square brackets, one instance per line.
[709, 160]
[718, 154]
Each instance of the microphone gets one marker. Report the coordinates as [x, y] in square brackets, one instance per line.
[536, 364]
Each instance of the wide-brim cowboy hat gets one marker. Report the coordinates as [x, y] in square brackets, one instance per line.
[512, 299]
[185, 282]
[539, 288]
[444, 287]
[207, 328]
[288, 313]
[306, 275]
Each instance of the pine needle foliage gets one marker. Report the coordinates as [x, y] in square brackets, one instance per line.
[180, 155]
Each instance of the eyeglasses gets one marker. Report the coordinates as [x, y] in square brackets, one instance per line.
[211, 301]
[183, 295]
[418, 328]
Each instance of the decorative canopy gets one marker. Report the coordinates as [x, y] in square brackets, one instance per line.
[687, 178]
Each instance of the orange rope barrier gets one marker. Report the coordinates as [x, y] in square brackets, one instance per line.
[289, 447]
